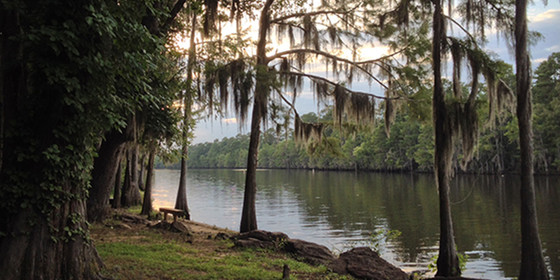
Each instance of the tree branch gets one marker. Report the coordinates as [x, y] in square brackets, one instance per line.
[327, 81]
[316, 13]
[379, 59]
[173, 14]
[288, 102]
[328, 55]
[462, 28]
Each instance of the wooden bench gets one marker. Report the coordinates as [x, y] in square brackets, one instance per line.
[172, 211]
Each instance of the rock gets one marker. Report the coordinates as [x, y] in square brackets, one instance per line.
[152, 224]
[310, 252]
[161, 225]
[254, 243]
[261, 239]
[264, 235]
[177, 226]
[364, 263]
[180, 226]
[222, 236]
[130, 218]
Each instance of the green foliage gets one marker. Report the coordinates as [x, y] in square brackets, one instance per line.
[87, 68]
[546, 113]
[50, 143]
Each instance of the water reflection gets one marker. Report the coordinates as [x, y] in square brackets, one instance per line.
[342, 209]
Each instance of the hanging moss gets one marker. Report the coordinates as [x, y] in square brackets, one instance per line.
[303, 132]
[340, 99]
[457, 56]
[307, 31]
[223, 84]
[462, 120]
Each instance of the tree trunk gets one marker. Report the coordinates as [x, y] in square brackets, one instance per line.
[141, 185]
[248, 214]
[103, 175]
[130, 193]
[448, 262]
[532, 260]
[118, 185]
[32, 254]
[147, 204]
[105, 170]
[181, 202]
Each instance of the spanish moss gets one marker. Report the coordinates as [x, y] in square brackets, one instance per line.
[303, 132]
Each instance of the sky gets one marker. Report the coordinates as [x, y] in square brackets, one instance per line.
[542, 18]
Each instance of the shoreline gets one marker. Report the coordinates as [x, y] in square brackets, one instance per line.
[458, 171]
[133, 232]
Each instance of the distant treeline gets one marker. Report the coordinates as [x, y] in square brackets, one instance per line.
[408, 148]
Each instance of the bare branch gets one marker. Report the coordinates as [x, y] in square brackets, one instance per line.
[316, 13]
[462, 28]
[379, 59]
[328, 55]
[327, 81]
[288, 102]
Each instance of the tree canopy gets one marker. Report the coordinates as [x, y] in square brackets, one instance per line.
[81, 82]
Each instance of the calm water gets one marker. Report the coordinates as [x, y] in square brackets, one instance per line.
[342, 209]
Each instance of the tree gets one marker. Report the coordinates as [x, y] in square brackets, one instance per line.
[447, 262]
[55, 87]
[160, 120]
[248, 213]
[117, 186]
[158, 132]
[77, 65]
[130, 193]
[141, 173]
[147, 203]
[104, 173]
[288, 72]
[546, 101]
[455, 115]
[532, 260]
[187, 101]
[143, 30]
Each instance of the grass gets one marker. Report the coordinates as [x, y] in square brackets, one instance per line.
[146, 253]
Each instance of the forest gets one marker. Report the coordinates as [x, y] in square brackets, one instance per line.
[92, 91]
[409, 147]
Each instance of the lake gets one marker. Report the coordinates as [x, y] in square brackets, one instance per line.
[342, 209]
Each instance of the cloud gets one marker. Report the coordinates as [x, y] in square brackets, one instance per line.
[538, 61]
[545, 22]
[546, 16]
[230, 120]
[555, 48]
